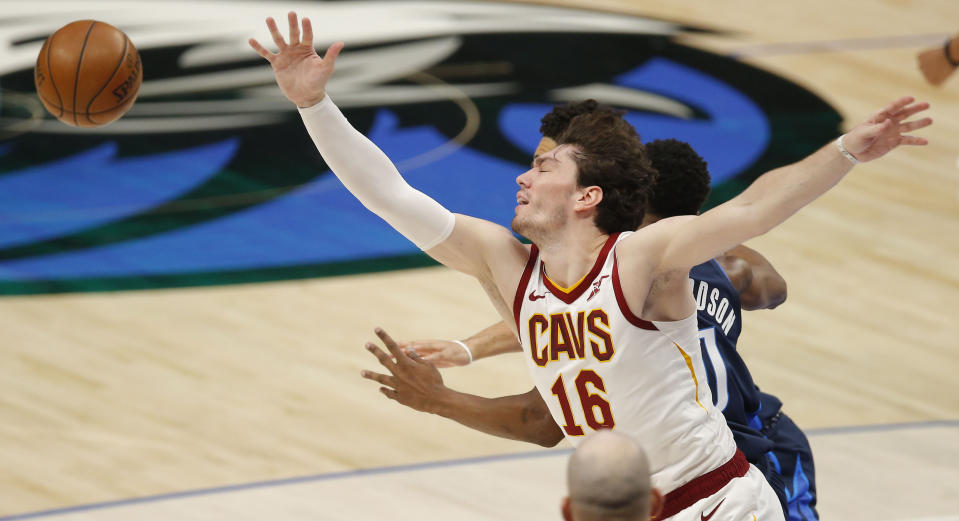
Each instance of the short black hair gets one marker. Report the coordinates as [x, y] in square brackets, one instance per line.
[682, 185]
[555, 123]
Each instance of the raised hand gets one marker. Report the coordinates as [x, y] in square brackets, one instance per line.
[412, 381]
[300, 72]
[441, 353]
[886, 130]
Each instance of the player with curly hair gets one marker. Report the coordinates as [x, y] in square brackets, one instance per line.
[739, 279]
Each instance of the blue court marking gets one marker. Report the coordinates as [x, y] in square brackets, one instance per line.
[95, 187]
[731, 138]
[827, 431]
[317, 223]
[321, 222]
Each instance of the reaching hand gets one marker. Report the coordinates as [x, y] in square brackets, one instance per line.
[414, 383]
[300, 72]
[441, 353]
[886, 130]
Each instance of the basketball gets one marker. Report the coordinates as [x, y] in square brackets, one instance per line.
[88, 73]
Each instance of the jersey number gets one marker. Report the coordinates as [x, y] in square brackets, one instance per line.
[590, 403]
[712, 355]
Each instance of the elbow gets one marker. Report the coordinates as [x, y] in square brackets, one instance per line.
[762, 227]
[778, 295]
[764, 295]
[548, 433]
[551, 438]
[775, 289]
[754, 217]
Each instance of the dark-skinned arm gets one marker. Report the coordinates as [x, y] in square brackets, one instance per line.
[417, 383]
[759, 285]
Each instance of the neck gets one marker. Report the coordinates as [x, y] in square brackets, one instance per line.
[570, 255]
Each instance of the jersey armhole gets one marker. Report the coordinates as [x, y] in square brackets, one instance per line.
[621, 300]
[523, 283]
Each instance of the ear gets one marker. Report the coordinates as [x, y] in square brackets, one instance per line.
[588, 198]
[567, 511]
[655, 503]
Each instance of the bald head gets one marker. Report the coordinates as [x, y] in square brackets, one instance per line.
[608, 478]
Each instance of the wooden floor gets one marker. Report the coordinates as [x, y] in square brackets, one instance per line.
[108, 397]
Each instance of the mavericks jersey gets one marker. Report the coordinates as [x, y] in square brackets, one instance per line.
[720, 321]
[599, 366]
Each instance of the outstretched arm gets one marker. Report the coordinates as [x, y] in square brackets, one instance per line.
[758, 283]
[494, 340]
[778, 194]
[417, 384]
[302, 75]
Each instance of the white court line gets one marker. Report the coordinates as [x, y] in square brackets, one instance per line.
[302, 492]
[851, 44]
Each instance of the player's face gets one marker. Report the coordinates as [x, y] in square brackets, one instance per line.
[546, 193]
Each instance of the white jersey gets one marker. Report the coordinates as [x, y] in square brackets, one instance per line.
[598, 365]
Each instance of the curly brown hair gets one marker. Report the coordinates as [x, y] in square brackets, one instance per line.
[610, 155]
[553, 124]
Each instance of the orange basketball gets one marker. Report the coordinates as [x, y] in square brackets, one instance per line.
[88, 73]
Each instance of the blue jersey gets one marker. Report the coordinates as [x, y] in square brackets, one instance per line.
[720, 322]
[769, 439]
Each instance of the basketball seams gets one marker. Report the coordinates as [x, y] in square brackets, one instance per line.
[97, 113]
[52, 80]
[65, 54]
[76, 81]
[123, 56]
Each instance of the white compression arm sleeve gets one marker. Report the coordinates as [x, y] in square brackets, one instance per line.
[366, 172]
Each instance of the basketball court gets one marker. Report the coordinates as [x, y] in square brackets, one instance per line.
[186, 292]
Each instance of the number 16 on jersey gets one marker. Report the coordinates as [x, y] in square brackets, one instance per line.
[591, 390]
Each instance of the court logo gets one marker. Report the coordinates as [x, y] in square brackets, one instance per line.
[210, 178]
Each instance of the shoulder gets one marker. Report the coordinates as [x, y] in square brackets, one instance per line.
[489, 234]
[480, 248]
[659, 229]
[650, 241]
[500, 248]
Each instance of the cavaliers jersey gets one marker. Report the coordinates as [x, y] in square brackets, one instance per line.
[720, 322]
[598, 365]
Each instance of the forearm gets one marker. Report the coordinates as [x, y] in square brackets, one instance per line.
[494, 340]
[370, 175]
[523, 417]
[780, 193]
[769, 201]
[775, 196]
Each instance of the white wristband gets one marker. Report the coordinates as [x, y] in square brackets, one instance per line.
[465, 348]
[842, 148]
